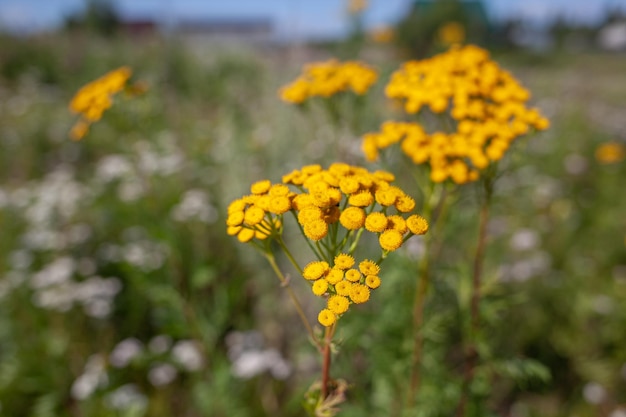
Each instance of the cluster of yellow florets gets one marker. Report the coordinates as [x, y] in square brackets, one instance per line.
[350, 196]
[486, 105]
[325, 79]
[334, 206]
[94, 98]
[258, 215]
[342, 284]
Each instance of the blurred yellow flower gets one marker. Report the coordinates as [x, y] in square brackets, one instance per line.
[94, 98]
[610, 153]
[383, 34]
[485, 104]
[356, 6]
[451, 33]
[325, 79]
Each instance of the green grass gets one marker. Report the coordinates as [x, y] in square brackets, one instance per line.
[213, 124]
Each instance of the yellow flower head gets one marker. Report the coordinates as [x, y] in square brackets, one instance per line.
[352, 218]
[368, 267]
[417, 224]
[315, 270]
[344, 261]
[319, 287]
[359, 293]
[353, 275]
[338, 304]
[372, 281]
[390, 240]
[316, 229]
[334, 276]
[343, 287]
[326, 317]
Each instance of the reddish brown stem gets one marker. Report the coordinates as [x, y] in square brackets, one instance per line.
[326, 353]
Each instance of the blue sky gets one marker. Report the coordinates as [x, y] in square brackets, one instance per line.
[291, 17]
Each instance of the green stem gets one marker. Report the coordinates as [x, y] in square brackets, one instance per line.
[472, 355]
[285, 283]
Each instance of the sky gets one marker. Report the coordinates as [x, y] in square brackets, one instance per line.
[307, 18]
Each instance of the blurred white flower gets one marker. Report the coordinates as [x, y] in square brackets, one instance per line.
[188, 354]
[20, 259]
[162, 374]
[618, 412]
[113, 167]
[254, 362]
[160, 344]
[93, 376]
[594, 393]
[602, 304]
[130, 190]
[58, 271]
[127, 397]
[194, 206]
[575, 164]
[525, 239]
[249, 358]
[125, 351]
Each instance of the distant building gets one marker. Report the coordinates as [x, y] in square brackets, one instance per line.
[139, 27]
[227, 30]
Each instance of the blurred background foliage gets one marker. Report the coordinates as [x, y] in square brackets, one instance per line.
[121, 295]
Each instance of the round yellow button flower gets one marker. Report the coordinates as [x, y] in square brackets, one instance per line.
[260, 187]
[319, 287]
[390, 240]
[344, 261]
[353, 275]
[326, 318]
[338, 304]
[359, 293]
[368, 267]
[314, 270]
[334, 276]
[343, 287]
[417, 224]
[316, 229]
[376, 222]
[372, 281]
[352, 218]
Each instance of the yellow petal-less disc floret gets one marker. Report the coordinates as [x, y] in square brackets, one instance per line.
[372, 281]
[316, 229]
[334, 276]
[417, 224]
[260, 187]
[352, 218]
[326, 318]
[376, 222]
[368, 267]
[343, 261]
[338, 304]
[353, 275]
[359, 293]
[343, 287]
[315, 270]
[319, 287]
[390, 240]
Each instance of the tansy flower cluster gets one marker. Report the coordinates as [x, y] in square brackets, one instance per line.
[325, 79]
[94, 98]
[333, 207]
[355, 199]
[342, 284]
[485, 105]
